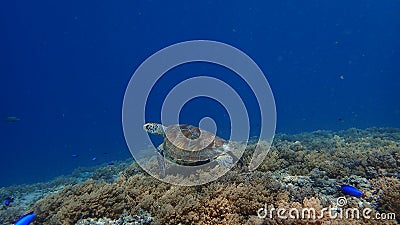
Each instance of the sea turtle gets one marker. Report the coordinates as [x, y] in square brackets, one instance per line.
[189, 145]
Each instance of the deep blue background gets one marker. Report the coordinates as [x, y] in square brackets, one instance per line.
[64, 66]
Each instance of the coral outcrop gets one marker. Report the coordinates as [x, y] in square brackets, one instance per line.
[301, 172]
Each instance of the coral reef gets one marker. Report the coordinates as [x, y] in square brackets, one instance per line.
[124, 219]
[389, 190]
[301, 171]
[217, 202]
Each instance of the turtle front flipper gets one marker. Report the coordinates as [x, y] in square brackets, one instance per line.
[161, 160]
[224, 160]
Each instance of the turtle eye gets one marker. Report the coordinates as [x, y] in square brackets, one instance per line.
[150, 127]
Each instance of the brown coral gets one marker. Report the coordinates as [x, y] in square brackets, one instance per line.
[209, 204]
[318, 157]
[389, 189]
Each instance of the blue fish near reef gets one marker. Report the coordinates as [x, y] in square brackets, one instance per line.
[350, 190]
[26, 219]
[8, 201]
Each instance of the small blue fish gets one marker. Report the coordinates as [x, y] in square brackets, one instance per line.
[350, 190]
[74, 155]
[8, 201]
[11, 119]
[110, 163]
[94, 158]
[26, 219]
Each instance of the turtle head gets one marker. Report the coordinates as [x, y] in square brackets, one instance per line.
[154, 128]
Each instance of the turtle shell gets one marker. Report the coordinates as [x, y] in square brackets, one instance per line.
[188, 144]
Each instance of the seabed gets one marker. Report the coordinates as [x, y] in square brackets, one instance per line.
[302, 171]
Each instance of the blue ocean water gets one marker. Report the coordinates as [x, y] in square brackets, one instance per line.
[64, 67]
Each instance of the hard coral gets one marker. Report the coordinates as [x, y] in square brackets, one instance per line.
[216, 203]
[389, 190]
[301, 171]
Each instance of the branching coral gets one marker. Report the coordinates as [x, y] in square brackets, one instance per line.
[301, 171]
[389, 190]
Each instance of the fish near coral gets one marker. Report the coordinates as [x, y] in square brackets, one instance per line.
[350, 190]
[8, 201]
[26, 219]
